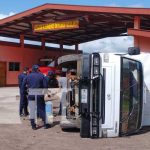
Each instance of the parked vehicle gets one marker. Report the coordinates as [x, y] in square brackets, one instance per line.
[46, 65]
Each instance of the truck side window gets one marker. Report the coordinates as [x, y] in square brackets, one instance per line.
[131, 91]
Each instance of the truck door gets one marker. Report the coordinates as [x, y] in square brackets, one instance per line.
[108, 73]
[131, 96]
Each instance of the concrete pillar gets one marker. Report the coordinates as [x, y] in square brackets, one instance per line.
[23, 51]
[22, 40]
[77, 48]
[61, 47]
[137, 22]
[43, 43]
[136, 41]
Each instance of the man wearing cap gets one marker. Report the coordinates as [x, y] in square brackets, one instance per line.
[35, 82]
[62, 82]
[51, 80]
[23, 111]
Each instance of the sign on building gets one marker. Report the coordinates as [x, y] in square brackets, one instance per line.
[62, 25]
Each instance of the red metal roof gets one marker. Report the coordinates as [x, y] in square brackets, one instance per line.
[95, 22]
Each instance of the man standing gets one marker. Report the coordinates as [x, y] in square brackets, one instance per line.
[23, 111]
[62, 82]
[51, 80]
[52, 84]
[35, 82]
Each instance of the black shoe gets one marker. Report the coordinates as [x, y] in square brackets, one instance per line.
[59, 113]
[34, 127]
[47, 126]
[26, 114]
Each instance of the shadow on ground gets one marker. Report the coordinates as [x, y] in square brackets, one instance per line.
[71, 130]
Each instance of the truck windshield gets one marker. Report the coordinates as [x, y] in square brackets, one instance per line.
[131, 95]
[51, 64]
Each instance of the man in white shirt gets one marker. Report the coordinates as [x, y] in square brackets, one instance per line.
[62, 82]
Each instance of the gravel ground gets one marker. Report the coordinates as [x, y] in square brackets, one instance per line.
[18, 135]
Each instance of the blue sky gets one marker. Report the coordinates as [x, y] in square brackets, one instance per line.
[7, 6]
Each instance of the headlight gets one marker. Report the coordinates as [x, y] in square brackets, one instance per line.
[96, 64]
[96, 60]
[96, 70]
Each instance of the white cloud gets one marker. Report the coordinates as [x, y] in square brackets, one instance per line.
[113, 44]
[9, 39]
[114, 5]
[2, 16]
[139, 5]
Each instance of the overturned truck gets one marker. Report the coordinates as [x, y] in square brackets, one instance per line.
[110, 95]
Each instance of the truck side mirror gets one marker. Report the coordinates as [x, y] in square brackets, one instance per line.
[133, 50]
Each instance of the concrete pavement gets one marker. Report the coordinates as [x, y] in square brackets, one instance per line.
[16, 135]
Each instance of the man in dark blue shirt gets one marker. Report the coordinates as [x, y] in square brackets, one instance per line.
[23, 111]
[51, 80]
[35, 82]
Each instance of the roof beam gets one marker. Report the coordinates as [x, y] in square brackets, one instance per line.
[110, 19]
[138, 32]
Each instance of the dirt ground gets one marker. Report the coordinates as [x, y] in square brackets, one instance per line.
[18, 135]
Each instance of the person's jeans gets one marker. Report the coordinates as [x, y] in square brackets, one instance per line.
[37, 106]
[23, 108]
